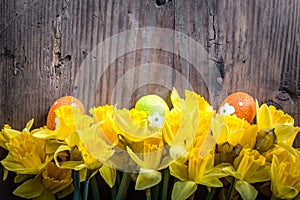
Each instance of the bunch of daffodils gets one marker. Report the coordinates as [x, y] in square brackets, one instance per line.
[175, 153]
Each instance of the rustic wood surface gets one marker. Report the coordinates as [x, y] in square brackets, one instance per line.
[46, 48]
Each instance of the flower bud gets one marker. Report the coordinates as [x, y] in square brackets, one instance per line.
[265, 140]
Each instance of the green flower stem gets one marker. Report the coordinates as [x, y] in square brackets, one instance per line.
[166, 176]
[211, 194]
[86, 189]
[123, 187]
[155, 191]
[76, 195]
[230, 190]
[95, 188]
[148, 194]
[114, 191]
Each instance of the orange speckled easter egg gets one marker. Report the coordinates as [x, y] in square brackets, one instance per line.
[241, 104]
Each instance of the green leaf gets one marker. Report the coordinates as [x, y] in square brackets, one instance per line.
[247, 191]
[147, 178]
[182, 190]
[29, 189]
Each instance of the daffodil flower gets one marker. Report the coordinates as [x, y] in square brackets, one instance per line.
[268, 117]
[231, 129]
[88, 153]
[285, 176]
[103, 115]
[184, 129]
[249, 167]
[196, 170]
[151, 157]
[70, 119]
[45, 185]
[26, 153]
[7, 133]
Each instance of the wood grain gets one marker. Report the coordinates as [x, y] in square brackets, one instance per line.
[53, 48]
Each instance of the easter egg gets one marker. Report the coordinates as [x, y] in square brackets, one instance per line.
[155, 107]
[241, 104]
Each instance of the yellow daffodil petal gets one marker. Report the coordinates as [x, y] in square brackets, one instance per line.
[76, 165]
[189, 122]
[136, 159]
[284, 134]
[288, 149]
[235, 137]
[262, 174]
[28, 126]
[10, 164]
[218, 129]
[73, 139]
[232, 172]
[179, 170]
[82, 122]
[246, 190]
[19, 178]
[131, 130]
[96, 145]
[31, 188]
[249, 138]
[176, 101]
[44, 133]
[46, 195]
[182, 190]
[66, 191]
[168, 133]
[177, 151]
[147, 178]
[5, 174]
[109, 174]
[264, 117]
[212, 179]
[278, 117]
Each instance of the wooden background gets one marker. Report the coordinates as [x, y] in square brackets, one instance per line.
[44, 43]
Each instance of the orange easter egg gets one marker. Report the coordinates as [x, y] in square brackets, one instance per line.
[241, 104]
